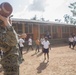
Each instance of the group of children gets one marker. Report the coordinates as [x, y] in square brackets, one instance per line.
[43, 42]
[45, 45]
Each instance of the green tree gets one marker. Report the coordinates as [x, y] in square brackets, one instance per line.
[72, 6]
[58, 20]
[68, 18]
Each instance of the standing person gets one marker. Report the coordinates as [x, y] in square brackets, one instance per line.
[9, 45]
[21, 46]
[30, 43]
[37, 44]
[74, 41]
[1, 53]
[46, 45]
[41, 41]
[47, 34]
[71, 40]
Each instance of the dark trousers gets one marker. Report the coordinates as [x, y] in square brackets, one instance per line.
[20, 55]
[70, 44]
[29, 46]
[74, 43]
[37, 48]
[21, 49]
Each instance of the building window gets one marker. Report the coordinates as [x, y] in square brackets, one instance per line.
[65, 29]
[49, 29]
[54, 29]
[44, 29]
[41, 29]
[15, 26]
[28, 27]
[54, 32]
[20, 28]
[65, 32]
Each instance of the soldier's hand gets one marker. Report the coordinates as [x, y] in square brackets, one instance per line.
[5, 21]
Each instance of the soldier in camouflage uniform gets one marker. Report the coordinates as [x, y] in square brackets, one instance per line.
[9, 45]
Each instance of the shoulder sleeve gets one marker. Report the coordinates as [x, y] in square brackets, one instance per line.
[11, 37]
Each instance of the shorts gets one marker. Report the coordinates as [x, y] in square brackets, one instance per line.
[45, 50]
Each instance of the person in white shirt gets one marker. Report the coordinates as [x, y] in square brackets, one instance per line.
[74, 41]
[71, 40]
[21, 46]
[41, 41]
[46, 45]
[1, 53]
[30, 43]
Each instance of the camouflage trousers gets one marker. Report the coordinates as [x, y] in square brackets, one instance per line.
[10, 65]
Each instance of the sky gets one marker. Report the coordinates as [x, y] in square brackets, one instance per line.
[47, 9]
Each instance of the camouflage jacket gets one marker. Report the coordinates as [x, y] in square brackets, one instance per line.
[8, 38]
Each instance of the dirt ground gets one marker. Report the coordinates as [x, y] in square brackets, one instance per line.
[62, 62]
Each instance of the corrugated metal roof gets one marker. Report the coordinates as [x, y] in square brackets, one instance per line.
[36, 21]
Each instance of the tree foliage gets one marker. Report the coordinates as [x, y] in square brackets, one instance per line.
[68, 18]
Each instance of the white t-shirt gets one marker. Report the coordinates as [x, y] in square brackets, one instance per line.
[42, 39]
[74, 38]
[71, 39]
[1, 52]
[29, 41]
[46, 44]
[21, 41]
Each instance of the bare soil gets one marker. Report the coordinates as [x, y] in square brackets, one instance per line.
[62, 62]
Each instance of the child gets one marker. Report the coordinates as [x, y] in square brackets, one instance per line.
[71, 40]
[41, 41]
[46, 45]
[74, 43]
[37, 44]
[1, 53]
[30, 43]
[21, 46]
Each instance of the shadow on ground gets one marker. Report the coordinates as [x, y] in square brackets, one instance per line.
[39, 54]
[41, 67]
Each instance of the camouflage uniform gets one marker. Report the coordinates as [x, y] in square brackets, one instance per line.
[9, 45]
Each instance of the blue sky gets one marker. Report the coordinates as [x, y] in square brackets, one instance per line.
[48, 9]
